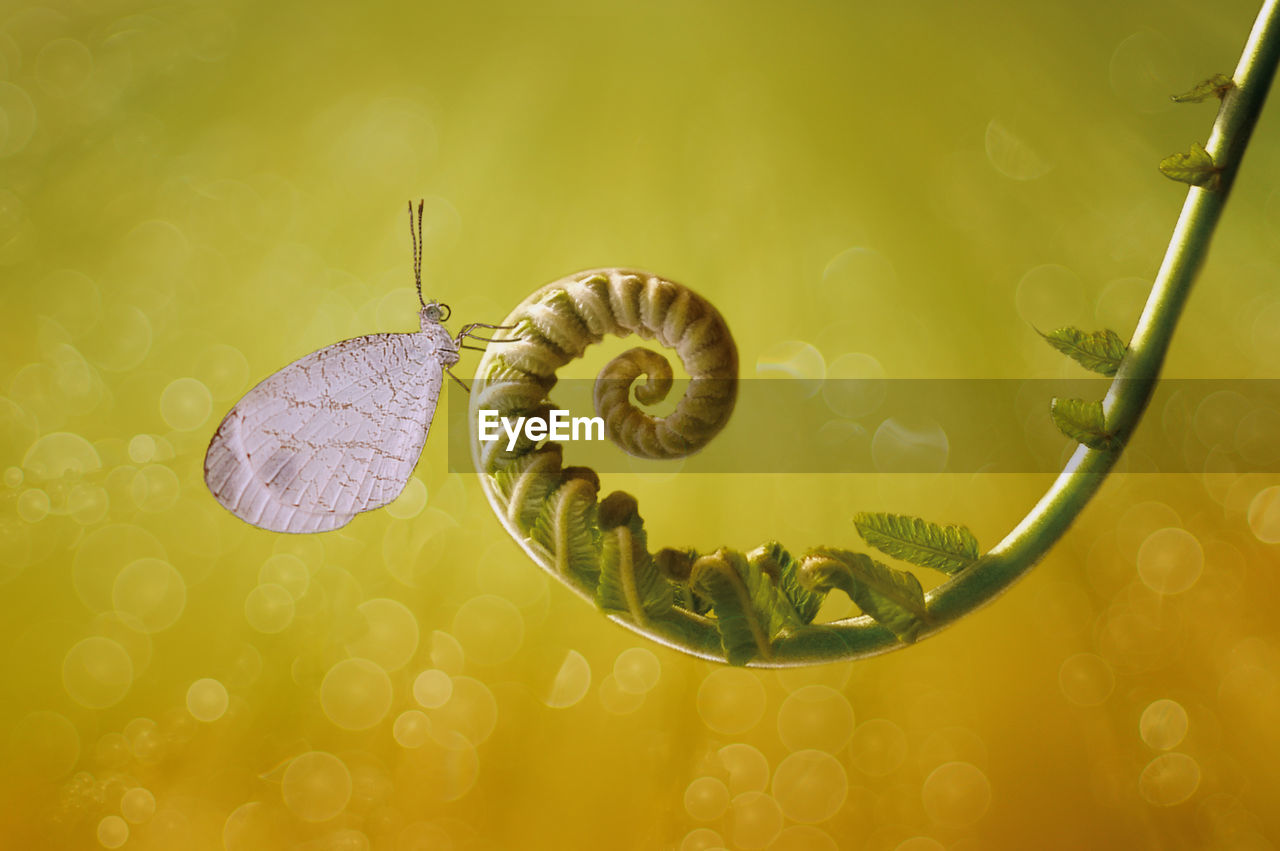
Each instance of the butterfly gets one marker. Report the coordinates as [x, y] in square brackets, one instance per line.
[337, 432]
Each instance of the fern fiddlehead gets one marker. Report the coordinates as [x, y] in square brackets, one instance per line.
[727, 605]
[757, 608]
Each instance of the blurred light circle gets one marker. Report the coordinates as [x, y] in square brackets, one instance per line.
[432, 688]
[910, 446]
[747, 767]
[288, 571]
[33, 505]
[355, 694]
[793, 359]
[1218, 416]
[859, 270]
[1264, 515]
[489, 628]
[956, 794]
[185, 404]
[756, 819]
[113, 832]
[614, 699]
[97, 672]
[155, 488]
[316, 786]
[1258, 437]
[207, 700]
[391, 633]
[470, 714]
[706, 799]
[815, 717]
[63, 66]
[224, 370]
[61, 454]
[833, 676]
[1169, 779]
[731, 700]
[1011, 155]
[920, 843]
[87, 504]
[1086, 679]
[16, 548]
[422, 836]
[804, 837]
[410, 502]
[151, 590]
[1144, 69]
[810, 786]
[571, 683]
[1120, 302]
[112, 750]
[879, 746]
[1265, 335]
[1050, 296]
[1138, 522]
[637, 670]
[855, 385]
[269, 608]
[256, 826]
[701, 839]
[1163, 724]
[17, 117]
[412, 729]
[137, 805]
[1170, 560]
[446, 653]
[441, 771]
[143, 736]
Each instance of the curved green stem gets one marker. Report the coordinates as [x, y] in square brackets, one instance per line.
[1126, 399]
[600, 549]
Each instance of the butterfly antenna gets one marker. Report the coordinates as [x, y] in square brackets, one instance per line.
[416, 239]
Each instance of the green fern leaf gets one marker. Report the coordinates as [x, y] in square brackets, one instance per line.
[893, 598]
[949, 549]
[1195, 168]
[778, 565]
[749, 609]
[630, 582]
[1215, 87]
[676, 566]
[528, 481]
[566, 527]
[1083, 422]
[1097, 351]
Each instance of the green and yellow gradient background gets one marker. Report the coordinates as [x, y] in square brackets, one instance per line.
[194, 194]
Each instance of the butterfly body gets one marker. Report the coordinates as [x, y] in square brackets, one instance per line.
[333, 434]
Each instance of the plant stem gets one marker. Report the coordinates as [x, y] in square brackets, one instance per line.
[1126, 399]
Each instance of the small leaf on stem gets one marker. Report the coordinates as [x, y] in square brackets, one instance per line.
[1097, 351]
[1083, 422]
[1195, 168]
[949, 549]
[1215, 87]
[893, 598]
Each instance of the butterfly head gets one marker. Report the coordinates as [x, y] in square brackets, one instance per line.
[435, 313]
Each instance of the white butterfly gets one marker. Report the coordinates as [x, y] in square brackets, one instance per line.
[337, 432]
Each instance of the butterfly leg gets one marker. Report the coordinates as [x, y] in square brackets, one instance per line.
[461, 383]
[468, 329]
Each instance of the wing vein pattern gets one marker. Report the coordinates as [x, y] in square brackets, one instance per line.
[331, 435]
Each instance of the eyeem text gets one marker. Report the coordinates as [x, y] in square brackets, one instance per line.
[559, 426]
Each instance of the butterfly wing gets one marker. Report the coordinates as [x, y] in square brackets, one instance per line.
[329, 436]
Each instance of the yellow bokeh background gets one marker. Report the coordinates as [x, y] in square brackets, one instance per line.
[194, 194]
